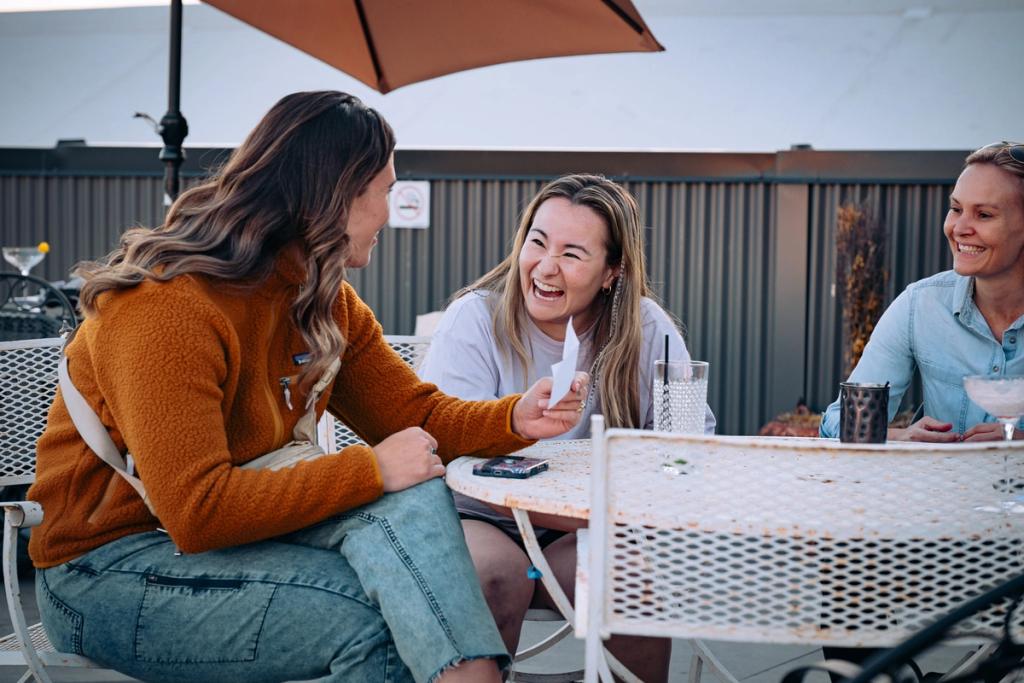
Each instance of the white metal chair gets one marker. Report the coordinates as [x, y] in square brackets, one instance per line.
[799, 541]
[28, 380]
[334, 435]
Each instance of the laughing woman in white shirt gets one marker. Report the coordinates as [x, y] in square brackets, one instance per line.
[578, 254]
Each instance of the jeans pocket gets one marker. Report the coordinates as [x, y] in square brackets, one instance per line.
[200, 620]
[63, 625]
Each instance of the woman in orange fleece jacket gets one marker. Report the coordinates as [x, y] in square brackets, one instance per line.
[202, 340]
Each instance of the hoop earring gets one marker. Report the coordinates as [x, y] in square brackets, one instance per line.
[607, 291]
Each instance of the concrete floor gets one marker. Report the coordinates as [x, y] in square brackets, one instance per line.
[750, 663]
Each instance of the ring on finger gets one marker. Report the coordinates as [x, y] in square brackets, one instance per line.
[583, 404]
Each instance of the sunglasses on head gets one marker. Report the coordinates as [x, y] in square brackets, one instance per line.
[1015, 150]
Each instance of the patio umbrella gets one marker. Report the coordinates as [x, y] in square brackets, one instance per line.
[390, 43]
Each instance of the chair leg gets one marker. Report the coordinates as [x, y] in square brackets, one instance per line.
[696, 665]
[526, 677]
[708, 658]
[546, 644]
[516, 676]
[969, 660]
[14, 516]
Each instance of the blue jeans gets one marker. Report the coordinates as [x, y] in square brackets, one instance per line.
[385, 592]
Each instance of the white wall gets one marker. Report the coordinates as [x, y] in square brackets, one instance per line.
[740, 75]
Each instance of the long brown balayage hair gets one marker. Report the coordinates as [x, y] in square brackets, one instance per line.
[618, 335]
[294, 177]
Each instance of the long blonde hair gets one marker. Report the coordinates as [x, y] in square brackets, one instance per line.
[618, 330]
[294, 178]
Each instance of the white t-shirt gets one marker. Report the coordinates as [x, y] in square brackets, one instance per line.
[464, 359]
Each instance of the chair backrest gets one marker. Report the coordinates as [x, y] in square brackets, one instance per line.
[28, 381]
[335, 435]
[31, 308]
[426, 323]
[794, 540]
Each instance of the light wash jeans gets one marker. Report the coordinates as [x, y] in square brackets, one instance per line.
[385, 592]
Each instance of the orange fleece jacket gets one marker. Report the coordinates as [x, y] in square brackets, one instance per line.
[186, 375]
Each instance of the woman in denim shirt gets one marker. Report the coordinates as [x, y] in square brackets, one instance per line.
[965, 321]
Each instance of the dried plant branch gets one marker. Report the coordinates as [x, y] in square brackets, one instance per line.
[861, 276]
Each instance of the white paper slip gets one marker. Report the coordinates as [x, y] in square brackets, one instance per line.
[564, 370]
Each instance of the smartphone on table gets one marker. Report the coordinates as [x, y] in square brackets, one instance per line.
[510, 467]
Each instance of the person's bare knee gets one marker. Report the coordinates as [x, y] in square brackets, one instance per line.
[501, 566]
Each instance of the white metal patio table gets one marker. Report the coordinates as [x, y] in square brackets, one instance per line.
[757, 539]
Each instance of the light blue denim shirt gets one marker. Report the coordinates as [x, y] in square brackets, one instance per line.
[935, 327]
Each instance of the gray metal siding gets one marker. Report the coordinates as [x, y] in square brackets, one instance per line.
[708, 264]
[912, 216]
[82, 217]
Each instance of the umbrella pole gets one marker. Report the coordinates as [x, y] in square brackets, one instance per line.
[173, 127]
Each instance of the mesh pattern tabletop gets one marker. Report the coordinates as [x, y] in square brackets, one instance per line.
[786, 540]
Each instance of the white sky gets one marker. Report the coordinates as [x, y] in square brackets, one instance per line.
[738, 75]
[55, 5]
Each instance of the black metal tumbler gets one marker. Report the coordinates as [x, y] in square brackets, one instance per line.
[863, 412]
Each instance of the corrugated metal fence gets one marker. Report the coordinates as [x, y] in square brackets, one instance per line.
[912, 216]
[740, 247]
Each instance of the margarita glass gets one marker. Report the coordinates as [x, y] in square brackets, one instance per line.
[24, 258]
[1003, 398]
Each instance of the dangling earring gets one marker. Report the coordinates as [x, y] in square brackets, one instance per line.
[613, 329]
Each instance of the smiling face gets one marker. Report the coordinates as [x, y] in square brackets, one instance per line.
[563, 266]
[368, 216]
[985, 224]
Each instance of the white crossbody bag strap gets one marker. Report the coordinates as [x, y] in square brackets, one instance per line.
[305, 428]
[94, 433]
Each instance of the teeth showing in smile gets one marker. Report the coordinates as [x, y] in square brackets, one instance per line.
[546, 291]
[969, 248]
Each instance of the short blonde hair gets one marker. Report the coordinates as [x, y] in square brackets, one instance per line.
[1009, 156]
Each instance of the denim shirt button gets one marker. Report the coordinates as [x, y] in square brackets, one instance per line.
[995, 368]
[1013, 340]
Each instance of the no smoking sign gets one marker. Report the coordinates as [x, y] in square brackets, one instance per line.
[410, 204]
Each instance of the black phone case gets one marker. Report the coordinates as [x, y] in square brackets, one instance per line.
[502, 467]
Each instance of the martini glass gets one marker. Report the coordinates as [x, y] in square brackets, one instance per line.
[23, 258]
[1002, 397]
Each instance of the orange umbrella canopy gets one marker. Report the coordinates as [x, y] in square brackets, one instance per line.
[390, 43]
